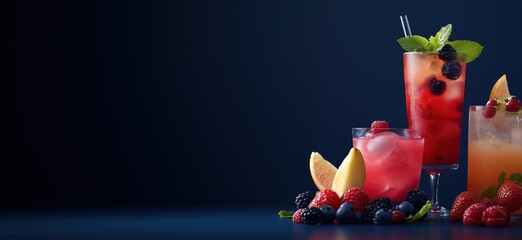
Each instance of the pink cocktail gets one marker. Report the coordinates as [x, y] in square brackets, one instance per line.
[393, 159]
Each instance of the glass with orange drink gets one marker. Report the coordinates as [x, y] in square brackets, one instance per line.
[495, 142]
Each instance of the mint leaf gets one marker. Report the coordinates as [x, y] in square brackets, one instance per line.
[423, 211]
[285, 214]
[501, 178]
[516, 177]
[489, 192]
[470, 48]
[414, 43]
[436, 43]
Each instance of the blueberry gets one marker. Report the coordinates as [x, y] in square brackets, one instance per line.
[447, 53]
[407, 208]
[382, 216]
[345, 213]
[358, 217]
[452, 69]
[327, 214]
[436, 86]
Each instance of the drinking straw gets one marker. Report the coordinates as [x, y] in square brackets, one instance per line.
[406, 34]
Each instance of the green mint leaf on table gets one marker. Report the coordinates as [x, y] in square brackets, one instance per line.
[285, 214]
[490, 192]
[470, 48]
[423, 211]
[414, 43]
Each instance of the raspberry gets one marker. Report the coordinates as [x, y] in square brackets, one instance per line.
[357, 198]
[473, 215]
[297, 217]
[417, 197]
[447, 53]
[437, 87]
[461, 203]
[452, 69]
[509, 195]
[326, 197]
[495, 216]
[303, 199]
[398, 216]
[489, 111]
[492, 103]
[513, 105]
[311, 216]
[488, 202]
[381, 124]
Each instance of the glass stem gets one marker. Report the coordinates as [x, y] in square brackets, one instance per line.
[434, 186]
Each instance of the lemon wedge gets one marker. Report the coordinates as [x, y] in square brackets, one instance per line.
[351, 173]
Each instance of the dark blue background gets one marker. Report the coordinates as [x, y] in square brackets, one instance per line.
[213, 103]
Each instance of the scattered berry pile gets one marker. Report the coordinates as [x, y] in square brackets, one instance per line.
[326, 207]
[509, 104]
[470, 210]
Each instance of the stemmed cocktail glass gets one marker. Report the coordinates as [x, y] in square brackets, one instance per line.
[434, 108]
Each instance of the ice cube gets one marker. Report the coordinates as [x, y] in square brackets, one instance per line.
[516, 135]
[382, 144]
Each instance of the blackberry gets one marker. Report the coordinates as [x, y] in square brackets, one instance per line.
[311, 216]
[374, 205]
[303, 199]
[417, 197]
[436, 86]
[447, 53]
[452, 69]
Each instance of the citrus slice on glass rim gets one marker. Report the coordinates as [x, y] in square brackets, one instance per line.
[500, 90]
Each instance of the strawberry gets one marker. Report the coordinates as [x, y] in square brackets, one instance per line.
[296, 218]
[357, 198]
[496, 216]
[461, 203]
[488, 202]
[509, 195]
[379, 124]
[326, 197]
[398, 216]
[473, 214]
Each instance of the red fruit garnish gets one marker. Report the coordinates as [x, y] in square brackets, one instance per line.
[382, 125]
[492, 103]
[357, 198]
[461, 203]
[495, 216]
[398, 216]
[509, 195]
[488, 202]
[489, 111]
[473, 215]
[296, 218]
[513, 105]
[326, 197]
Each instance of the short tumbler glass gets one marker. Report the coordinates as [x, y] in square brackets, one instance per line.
[393, 159]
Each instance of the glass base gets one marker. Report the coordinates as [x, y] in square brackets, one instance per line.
[438, 212]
